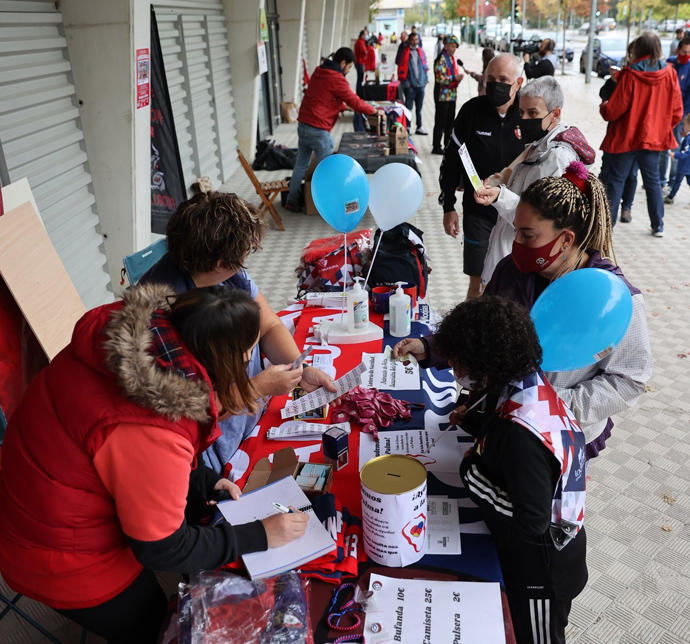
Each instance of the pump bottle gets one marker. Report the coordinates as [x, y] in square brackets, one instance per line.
[357, 306]
[399, 312]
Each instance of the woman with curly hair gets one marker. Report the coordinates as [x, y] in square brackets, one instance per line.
[563, 224]
[210, 237]
[526, 470]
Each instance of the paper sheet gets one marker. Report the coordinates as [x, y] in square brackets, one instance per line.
[323, 361]
[384, 372]
[258, 504]
[469, 167]
[438, 451]
[302, 430]
[444, 526]
[433, 612]
[320, 397]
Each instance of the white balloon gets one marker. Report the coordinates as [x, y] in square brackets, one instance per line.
[395, 194]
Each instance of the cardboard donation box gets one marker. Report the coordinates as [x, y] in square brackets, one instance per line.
[288, 110]
[284, 464]
[377, 123]
[397, 139]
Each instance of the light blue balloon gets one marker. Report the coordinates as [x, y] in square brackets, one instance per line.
[581, 317]
[340, 190]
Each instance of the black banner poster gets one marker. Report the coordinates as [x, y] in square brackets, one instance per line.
[167, 180]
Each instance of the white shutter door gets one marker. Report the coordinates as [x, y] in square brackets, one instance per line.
[194, 43]
[41, 139]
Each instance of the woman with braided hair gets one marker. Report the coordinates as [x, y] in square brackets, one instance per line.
[562, 224]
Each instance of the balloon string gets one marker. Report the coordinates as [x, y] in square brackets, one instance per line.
[342, 303]
[373, 257]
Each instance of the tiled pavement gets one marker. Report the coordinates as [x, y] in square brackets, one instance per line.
[638, 508]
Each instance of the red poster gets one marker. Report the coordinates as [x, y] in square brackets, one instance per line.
[143, 67]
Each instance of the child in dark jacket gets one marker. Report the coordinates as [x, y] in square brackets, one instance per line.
[683, 156]
[526, 470]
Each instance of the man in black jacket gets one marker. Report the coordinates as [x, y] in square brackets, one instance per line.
[488, 126]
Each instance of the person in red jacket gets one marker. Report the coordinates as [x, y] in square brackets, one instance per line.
[102, 478]
[327, 95]
[642, 111]
[360, 61]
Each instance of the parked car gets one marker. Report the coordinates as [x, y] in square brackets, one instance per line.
[531, 45]
[610, 51]
[670, 25]
[608, 24]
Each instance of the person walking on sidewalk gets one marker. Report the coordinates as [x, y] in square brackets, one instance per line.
[681, 63]
[488, 126]
[683, 161]
[412, 72]
[323, 100]
[641, 112]
[487, 55]
[447, 75]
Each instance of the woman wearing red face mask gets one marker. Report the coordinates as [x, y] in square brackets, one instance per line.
[562, 224]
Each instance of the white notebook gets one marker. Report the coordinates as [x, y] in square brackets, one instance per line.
[258, 504]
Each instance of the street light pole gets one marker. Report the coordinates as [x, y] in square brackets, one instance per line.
[590, 44]
[476, 24]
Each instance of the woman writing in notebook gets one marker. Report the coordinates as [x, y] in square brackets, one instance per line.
[101, 480]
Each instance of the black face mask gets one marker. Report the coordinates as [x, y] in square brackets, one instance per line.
[531, 129]
[498, 93]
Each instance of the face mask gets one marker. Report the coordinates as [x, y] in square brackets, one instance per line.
[531, 129]
[498, 93]
[533, 260]
[683, 59]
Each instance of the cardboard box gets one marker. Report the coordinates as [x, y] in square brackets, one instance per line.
[377, 123]
[284, 464]
[309, 206]
[327, 486]
[289, 111]
[397, 140]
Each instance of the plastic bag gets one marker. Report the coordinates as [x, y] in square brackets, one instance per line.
[217, 607]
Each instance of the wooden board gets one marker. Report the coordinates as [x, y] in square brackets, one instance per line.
[37, 279]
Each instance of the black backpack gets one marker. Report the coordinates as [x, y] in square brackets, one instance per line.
[401, 257]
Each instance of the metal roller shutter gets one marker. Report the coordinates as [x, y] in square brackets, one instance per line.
[305, 58]
[41, 139]
[194, 42]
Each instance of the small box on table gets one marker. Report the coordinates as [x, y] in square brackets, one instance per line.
[336, 447]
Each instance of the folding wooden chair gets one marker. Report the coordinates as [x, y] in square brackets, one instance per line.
[267, 190]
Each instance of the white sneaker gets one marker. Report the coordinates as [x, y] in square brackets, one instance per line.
[657, 233]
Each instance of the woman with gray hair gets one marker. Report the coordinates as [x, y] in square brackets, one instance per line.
[550, 147]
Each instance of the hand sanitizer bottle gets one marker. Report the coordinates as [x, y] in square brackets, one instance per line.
[357, 306]
[399, 313]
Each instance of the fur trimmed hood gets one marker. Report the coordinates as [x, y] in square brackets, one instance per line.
[126, 353]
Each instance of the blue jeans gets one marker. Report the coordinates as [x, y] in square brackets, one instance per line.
[677, 180]
[415, 95]
[311, 139]
[619, 166]
[630, 183]
[663, 159]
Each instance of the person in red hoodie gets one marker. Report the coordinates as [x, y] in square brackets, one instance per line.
[360, 60]
[327, 95]
[102, 480]
[642, 111]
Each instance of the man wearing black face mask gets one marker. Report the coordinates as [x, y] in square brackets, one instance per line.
[488, 126]
[550, 148]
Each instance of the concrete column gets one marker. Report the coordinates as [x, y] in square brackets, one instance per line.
[242, 22]
[102, 37]
[316, 12]
[291, 20]
[328, 27]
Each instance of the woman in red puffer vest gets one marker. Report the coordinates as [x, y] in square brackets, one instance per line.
[99, 466]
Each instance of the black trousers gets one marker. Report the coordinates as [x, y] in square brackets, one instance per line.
[443, 122]
[134, 616]
[541, 583]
